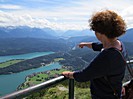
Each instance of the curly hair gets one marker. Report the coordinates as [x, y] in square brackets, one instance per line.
[108, 23]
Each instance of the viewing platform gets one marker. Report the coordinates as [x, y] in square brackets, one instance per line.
[28, 91]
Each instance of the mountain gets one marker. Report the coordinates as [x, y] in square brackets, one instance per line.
[79, 39]
[26, 32]
[13, 46]
[74, 33]
[128, 36]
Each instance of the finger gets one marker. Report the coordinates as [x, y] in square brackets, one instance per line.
[80, 46]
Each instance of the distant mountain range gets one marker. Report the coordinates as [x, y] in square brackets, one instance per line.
[75, 33]
[128, 36]
[20, 40]
[47, 33]
[70, 36]
[26, 32]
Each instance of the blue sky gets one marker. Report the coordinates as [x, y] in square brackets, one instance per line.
[59, 14]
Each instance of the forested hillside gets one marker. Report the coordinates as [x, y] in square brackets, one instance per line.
[13, 46]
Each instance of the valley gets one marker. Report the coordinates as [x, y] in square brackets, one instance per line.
[65, 55]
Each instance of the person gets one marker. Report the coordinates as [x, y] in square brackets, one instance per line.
[106, 71]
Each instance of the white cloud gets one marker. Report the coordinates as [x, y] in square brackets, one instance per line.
[9, 6]
[127, 14]
[10, 19]
[74, 16]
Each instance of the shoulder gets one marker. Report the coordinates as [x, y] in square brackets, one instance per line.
[110, 53]
[113, 54]
[105, 54]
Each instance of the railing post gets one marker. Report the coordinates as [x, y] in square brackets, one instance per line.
[71, 88]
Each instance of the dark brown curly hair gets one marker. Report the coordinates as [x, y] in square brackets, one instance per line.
[108, 23]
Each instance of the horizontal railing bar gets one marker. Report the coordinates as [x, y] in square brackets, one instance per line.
[130, 61]
[25, 92]
[126, 83]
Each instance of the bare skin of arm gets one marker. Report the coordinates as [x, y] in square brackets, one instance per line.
[87, 44]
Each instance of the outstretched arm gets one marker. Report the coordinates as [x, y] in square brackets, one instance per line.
[87, 44]
[95, 46]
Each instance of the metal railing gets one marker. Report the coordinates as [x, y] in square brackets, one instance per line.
[30, 90]
[130, 71]
[49, 83]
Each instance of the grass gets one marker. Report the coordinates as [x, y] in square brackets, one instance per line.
[82, 93]
[39, 78]
[57, 72]
[58, 59]
[8, 63]
[54, 92]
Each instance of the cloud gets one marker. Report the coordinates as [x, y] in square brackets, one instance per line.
[10, 19]
[60, 14]
[10, 6]
[127, 14]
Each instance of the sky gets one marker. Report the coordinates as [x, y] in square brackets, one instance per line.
[60, 14]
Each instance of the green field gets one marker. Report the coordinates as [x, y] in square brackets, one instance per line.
[59, 91]
[8, 63]
[58, 59]
[39, 78]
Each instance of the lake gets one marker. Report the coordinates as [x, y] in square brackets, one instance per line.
[9, 83]
[23, 56]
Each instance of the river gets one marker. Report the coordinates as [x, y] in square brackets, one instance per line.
[9, 83]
